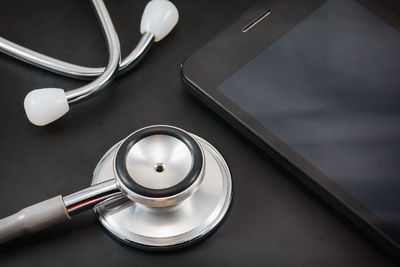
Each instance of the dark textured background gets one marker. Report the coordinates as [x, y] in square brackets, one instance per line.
[274, 219]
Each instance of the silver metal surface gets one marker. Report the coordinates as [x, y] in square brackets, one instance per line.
[169, 200]
[144, 44]
[159, 161]
[72, 70]
[113, 48]
[193, 218]
[87, 198]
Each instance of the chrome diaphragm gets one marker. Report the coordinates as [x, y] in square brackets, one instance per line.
[177, 188]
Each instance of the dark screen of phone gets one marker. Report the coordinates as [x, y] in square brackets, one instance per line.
[330, 89]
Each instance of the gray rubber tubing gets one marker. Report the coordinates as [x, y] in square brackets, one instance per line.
[33, 218]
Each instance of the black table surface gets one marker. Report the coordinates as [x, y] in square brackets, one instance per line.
[274, 219]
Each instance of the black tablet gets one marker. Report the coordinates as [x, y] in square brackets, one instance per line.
[316, 84]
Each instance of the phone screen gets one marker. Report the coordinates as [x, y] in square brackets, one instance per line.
[330, 89]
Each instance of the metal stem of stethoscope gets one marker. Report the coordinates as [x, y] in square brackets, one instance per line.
[114, 54]
[88, 198]
[169, 187]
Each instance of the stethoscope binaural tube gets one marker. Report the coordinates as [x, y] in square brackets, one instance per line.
[44, 106]
[72, 70]
[184, 171]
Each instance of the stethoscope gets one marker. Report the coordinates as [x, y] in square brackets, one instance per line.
[43, 106]
[161, 187]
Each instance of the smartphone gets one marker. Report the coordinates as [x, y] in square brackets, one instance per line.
[316, 85]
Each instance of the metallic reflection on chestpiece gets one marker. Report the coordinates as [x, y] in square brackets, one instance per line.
[159, 161]
[174, 226]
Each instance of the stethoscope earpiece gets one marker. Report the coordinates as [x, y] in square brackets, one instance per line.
[43, 106]
[159, 17]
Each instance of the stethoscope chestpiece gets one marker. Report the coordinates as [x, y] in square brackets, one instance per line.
[176, 188]
[159, 166]
[159, 188]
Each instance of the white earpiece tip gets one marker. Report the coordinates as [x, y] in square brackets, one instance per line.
[43, 106]
[159, 18]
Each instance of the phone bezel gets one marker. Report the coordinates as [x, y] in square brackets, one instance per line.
[230, 50]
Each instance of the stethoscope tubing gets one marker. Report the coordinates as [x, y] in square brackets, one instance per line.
[55, 210]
